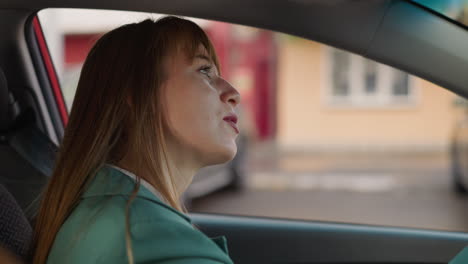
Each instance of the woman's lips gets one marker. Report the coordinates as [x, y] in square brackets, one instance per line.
[232, 121]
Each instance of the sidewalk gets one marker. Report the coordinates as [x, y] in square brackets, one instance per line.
[271, 158]
[272, 169]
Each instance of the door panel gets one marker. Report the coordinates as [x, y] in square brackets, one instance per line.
[262, 240]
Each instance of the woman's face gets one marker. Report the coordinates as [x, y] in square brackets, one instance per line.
[201, 109]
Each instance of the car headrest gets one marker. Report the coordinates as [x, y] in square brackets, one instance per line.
[8, 105]
[4, 94]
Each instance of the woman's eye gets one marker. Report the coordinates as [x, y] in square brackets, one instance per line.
[206, 70]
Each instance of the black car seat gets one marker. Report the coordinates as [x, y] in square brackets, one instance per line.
[26, 162]
[15, 230]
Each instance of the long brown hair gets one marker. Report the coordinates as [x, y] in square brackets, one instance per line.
[117, 108]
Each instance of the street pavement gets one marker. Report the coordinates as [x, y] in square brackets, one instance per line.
[400, 189]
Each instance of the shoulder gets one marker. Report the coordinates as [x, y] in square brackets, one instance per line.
[165, 235]
[95, 232]
[160, 234]
[94, 229]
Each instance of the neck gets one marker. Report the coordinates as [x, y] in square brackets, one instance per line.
[181, 167]
[181, 172]
[182, 164]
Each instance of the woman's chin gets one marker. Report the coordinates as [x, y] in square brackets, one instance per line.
[223, 156]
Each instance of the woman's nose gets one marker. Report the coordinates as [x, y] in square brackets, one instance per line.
[229, 94]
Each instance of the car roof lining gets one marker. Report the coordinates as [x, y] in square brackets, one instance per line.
[438, 53]
[395, 32]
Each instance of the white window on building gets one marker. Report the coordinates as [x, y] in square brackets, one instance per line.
[352, 80]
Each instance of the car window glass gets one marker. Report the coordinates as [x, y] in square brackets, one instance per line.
[456, 10]
[325, 134]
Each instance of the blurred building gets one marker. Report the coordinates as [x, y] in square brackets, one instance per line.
[330, 100]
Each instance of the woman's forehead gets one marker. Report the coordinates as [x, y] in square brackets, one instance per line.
[200, 53]
[188, 57]
[189, 52]
[191, 56]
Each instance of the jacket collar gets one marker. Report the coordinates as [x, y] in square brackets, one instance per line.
[109, 181]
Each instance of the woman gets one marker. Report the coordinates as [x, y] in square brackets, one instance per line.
[150, 110]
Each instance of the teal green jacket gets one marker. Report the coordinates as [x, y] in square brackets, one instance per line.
[95, 230]
[461, 258]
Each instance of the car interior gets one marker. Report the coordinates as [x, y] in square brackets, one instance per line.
[399, 33]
